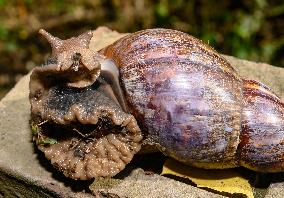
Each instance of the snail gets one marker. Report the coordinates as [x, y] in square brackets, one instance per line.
[91, 110]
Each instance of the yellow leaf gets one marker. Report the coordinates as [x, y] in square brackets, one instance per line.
[226, 180]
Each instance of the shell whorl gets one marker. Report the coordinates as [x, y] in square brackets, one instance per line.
[262, 145]
[186, 96]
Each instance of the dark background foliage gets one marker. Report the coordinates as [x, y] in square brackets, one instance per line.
[248, 29]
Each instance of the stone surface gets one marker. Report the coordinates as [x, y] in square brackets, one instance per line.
[139, 184]
[272, 76]
[275, 190]
[24, 172]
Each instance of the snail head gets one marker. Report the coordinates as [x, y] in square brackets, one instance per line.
[72, 59]
[78, 114]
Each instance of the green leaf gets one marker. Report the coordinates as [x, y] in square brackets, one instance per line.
[2, 3]
[47, 141]
[162, 10]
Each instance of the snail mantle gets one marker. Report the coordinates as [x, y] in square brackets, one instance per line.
[23, 171]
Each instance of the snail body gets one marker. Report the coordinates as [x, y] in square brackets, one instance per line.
[164, 85]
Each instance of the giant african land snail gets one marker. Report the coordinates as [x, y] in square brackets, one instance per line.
[88, 107]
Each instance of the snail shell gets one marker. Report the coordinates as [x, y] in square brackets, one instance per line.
[181, 93]
[262, 138]
[186, 96]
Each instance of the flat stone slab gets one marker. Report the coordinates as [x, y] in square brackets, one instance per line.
[270, 75]
[275, 190]
[139, 184]
[24, 172]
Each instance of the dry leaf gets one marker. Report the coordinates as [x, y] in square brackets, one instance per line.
[227, 180]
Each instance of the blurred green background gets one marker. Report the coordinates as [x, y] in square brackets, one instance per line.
[248, 29]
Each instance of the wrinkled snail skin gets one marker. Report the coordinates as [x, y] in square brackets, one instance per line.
[159, 84]
[76, 117]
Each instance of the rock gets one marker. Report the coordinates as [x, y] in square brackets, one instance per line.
[272, 76]
[24, 172]
[139, 184]
[275, 190]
